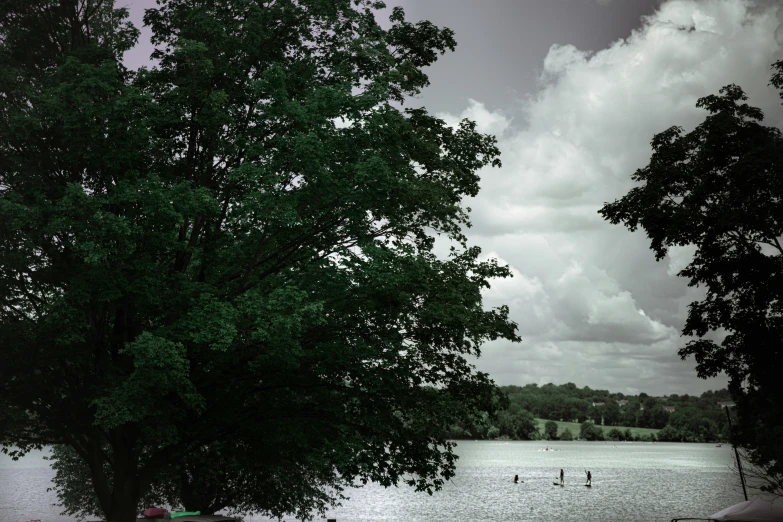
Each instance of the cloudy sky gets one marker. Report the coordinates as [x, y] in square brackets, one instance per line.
[575, 91]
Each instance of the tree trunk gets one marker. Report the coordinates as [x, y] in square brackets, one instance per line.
[124, 504]
[126, 486]
[186, 493]
[195, 495]
[100, 483]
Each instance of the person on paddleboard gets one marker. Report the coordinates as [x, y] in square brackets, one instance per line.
[562, 477]
[589, 479]
[516, 479]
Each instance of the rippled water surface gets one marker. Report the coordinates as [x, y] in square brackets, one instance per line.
[631, 482]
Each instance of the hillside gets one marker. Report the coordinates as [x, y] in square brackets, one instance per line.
[575, 427]
[681, 418]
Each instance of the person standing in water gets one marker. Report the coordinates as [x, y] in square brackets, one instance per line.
[562, 477]
[516, 479]
[589, 478]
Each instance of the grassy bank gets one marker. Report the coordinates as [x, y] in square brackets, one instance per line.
[575, 427]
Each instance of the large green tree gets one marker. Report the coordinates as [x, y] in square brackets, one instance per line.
[197, 252]
[550, 430]
[611, 413]
[720, 189]
[589, 431]
[516, 423]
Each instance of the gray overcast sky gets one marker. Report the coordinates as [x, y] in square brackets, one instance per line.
[575, 90]
[501, 44]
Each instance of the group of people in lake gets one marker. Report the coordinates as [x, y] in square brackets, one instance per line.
[562, 478]
[589, 478]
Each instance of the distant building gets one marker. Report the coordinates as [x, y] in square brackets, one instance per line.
[670, 409]
[598, 404]
[622, 403]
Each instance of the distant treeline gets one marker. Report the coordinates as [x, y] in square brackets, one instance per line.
[680, 418]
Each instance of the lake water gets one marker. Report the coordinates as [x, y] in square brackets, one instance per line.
[632, 482]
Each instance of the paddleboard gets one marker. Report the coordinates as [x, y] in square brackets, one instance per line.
[588, 485]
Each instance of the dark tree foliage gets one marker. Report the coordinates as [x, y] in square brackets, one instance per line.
[704, 420]
[516, 423]
[720, 188]
[550, 430]
[195, 253]
[611, 413]
[694, 419]
[589, 431]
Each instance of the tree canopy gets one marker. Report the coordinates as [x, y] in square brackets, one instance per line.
[531, 408]
[550, 430]
[236, 245]
[719, 188]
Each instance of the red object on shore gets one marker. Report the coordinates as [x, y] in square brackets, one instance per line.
[154, 512]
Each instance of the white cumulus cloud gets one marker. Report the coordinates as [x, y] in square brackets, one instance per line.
[592, 304]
